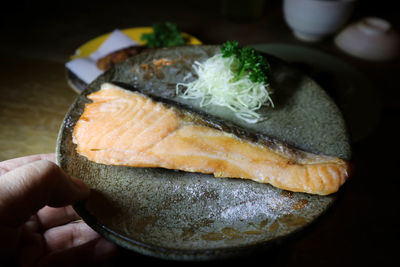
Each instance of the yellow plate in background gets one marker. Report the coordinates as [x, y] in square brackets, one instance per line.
[135, 33]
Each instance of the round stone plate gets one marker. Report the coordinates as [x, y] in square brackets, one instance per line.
[190, 216]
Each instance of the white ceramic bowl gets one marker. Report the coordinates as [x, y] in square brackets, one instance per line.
[370, 38]
[312, 20]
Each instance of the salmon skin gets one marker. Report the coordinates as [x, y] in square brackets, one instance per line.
[128, 128]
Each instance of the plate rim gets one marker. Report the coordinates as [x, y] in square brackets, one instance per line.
[91, 45]
[146, 248]
[339, 67]
[191, 254]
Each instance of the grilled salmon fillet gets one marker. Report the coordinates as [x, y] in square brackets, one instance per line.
[127, 128]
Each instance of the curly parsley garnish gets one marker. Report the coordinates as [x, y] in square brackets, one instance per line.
[249, 62]
[163, 35]
[235, 78]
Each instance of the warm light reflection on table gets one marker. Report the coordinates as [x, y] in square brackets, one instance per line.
[34, 99]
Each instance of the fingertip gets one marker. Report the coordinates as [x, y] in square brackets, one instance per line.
[50, 157]
[95, 251]
[81, 186]
[62, 189]
[104, 250]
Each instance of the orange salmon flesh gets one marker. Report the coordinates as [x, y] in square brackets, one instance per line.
[126, 128]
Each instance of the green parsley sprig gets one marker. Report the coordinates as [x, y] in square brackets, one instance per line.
[163, 35]
[249, 62]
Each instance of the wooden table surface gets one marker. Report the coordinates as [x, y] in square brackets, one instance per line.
[362, 228]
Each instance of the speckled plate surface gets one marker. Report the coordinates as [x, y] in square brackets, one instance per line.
[359, 101]
[191, 216]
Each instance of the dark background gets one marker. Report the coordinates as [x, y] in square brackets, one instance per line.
[362, 228]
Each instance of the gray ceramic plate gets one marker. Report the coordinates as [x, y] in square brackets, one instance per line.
[190, 216]
[352, 91]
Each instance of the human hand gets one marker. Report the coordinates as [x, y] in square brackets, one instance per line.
[37, 224]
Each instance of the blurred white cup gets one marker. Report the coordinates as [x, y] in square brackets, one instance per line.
[371, 38]
[312, 20]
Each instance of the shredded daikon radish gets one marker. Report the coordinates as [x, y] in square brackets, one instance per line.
[217, 85]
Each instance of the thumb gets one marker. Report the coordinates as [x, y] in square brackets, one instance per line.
[23, 191]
